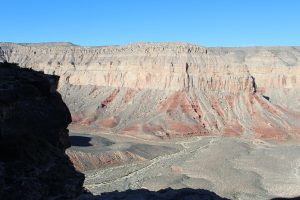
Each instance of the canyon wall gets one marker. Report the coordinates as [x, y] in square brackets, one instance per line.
[162, 90]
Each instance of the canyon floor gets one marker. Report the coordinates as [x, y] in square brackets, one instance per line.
[232, 167]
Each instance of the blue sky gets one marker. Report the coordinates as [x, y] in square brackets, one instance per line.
[118, 22]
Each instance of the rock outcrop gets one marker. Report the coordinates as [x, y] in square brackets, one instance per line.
[165, 90]
[33, 138]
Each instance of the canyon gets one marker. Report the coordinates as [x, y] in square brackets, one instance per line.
[155, 115]
[170, 90]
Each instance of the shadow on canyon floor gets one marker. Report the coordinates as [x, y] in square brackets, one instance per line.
[165, 194]
[283, 198]
[80, 141]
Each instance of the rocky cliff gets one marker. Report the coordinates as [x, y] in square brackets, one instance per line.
[163, 90]
[33, 138]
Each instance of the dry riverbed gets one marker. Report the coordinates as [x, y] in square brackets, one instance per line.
[231, 167]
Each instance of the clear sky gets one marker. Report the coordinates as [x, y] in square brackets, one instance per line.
[118, 22]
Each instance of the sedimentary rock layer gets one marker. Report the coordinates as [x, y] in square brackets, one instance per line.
[163, 90]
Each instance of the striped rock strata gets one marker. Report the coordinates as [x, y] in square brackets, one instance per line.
[163, 90]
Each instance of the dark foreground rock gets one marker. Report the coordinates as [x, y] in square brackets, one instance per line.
[33, 138]
[165, 194]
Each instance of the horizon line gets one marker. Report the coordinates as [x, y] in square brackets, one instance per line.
[141, 42]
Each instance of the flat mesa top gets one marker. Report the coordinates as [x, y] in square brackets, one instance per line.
[165, 53]
[140, 45]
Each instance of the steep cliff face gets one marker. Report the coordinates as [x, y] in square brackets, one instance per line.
[33, 138]
[174, 89]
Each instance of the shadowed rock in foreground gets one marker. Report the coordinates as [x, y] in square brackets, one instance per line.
[33, 138]
[165, 194]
